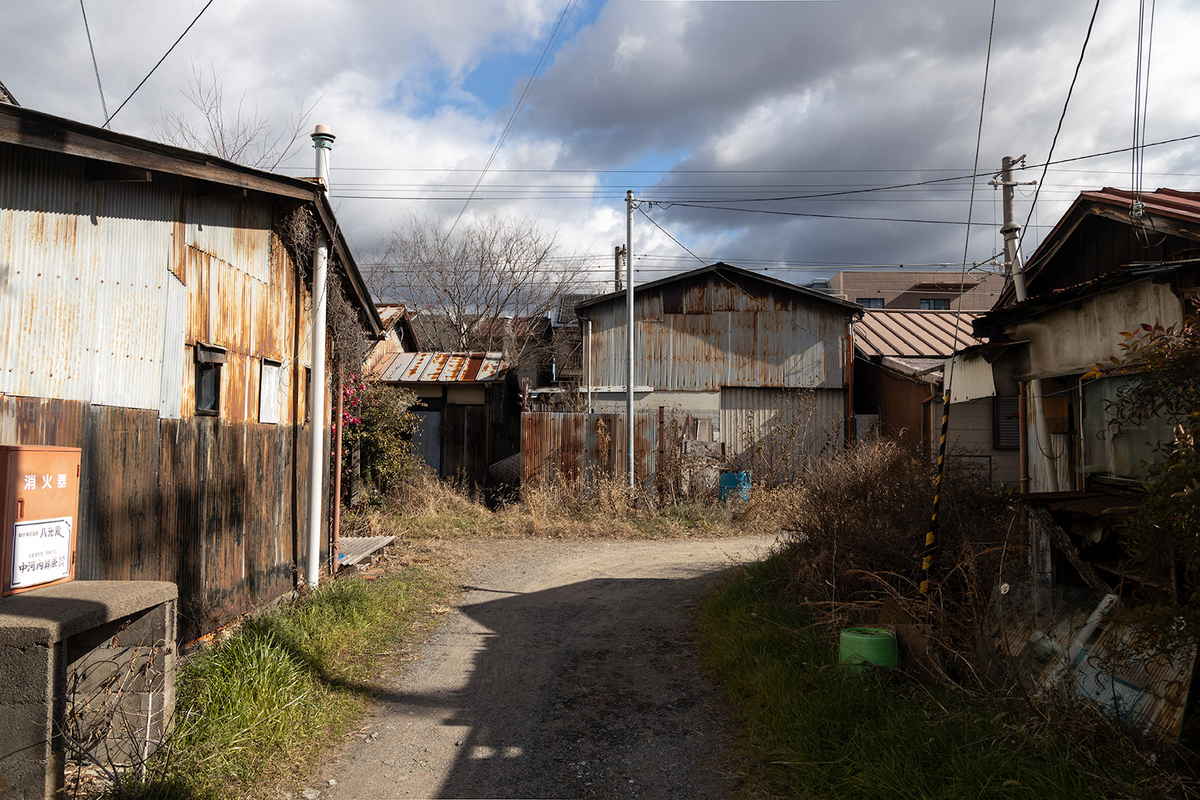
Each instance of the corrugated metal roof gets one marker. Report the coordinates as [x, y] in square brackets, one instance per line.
[913, 334]
[477, 367]
[390, 312]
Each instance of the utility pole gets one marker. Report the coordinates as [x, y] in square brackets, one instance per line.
[629, 330]
[618, 255]
[1016, 270]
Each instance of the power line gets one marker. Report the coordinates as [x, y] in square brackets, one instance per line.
[1061, 117]
[95, 66]
[537, 71]
[160, 61]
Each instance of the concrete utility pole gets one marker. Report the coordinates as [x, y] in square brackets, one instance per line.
[629, 328]
[1016, 270]
[618, 255]
[322, 143]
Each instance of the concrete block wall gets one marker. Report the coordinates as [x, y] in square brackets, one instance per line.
[80, 637]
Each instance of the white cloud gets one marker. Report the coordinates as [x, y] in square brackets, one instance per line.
[868, 87]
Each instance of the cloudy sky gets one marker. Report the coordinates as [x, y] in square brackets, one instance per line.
[697, 105]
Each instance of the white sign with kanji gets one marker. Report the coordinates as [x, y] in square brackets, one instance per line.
[41, 551]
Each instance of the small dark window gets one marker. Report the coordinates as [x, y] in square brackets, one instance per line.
[935, 304]
[1006, 430]
[869, 302]
[208, 379]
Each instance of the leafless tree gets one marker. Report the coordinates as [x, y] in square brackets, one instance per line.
[486, 285]
[232, 132]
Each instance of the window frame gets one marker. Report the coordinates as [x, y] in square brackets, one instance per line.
[209, 360]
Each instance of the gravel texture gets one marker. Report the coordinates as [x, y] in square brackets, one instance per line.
[567, 670]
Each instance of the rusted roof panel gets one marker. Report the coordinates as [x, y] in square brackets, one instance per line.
[913, 334]
[463, 367]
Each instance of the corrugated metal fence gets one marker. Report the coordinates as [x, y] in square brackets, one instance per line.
[585, 446]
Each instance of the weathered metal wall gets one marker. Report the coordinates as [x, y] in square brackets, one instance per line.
[106, 288]
[585, 446]
[778, 432]
[707, 332]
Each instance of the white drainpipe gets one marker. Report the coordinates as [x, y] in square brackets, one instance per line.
[322, 143]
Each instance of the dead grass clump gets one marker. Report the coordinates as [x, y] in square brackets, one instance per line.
[426, 495]
[855, 537]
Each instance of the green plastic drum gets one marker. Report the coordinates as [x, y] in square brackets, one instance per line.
[861, 648]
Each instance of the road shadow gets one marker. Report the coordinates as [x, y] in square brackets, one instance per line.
[585, 690]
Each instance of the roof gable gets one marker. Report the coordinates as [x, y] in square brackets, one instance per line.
[1098, 238]
[728, 273]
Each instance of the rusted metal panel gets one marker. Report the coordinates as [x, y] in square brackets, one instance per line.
[463, 367]
[784, 428]
[586, 446]
[453, 366]
[91, 299]
[723, 336]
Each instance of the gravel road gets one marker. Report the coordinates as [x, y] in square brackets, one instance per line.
[567, 670]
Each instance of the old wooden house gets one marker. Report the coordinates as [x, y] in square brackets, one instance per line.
[156, 311]
[1098, 273]
[1114, 262]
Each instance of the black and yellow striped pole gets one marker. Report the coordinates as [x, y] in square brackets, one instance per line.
[931, 535]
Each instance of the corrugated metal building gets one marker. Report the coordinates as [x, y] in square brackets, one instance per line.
[156, 312]
[758, 363]
[468, 408]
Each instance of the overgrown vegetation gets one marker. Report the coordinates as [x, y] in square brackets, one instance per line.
[255, 710]
[378, 427]
[426, 508]
[810, 729]
[856, 532]
[1161, 535]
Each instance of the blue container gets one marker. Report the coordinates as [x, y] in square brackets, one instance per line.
[734, 482]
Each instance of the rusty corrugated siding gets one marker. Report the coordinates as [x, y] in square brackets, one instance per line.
[107, 288]
[710, 333]
[585, 446]
[91, 301]
[1145, 689]
[787, 425]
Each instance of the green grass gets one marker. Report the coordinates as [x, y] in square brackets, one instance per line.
[809, 729]
[260, 707]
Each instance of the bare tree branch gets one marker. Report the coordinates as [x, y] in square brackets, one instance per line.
[232, 132]
[489, 285]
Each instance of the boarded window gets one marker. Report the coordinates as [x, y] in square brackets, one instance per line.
[268, 392]
[1006, 432]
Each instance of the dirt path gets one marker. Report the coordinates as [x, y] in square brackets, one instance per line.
[566, 671]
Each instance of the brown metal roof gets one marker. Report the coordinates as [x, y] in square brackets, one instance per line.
[477, 367]
[1177, 212]
[913, 334]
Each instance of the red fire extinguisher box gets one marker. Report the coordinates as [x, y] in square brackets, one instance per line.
[39, 509]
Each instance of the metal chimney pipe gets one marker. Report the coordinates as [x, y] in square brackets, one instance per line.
[322, 144]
